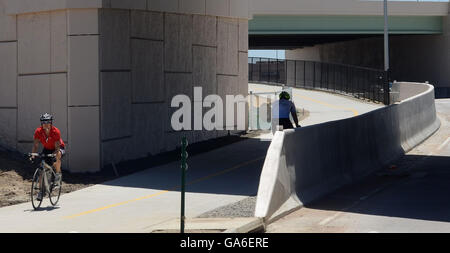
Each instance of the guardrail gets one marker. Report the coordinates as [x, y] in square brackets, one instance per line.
[360, 82]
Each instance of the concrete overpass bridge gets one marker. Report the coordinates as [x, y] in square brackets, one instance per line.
[295, 24]
[350, 32]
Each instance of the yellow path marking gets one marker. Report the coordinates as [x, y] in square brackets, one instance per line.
[355, 112]
[166, 191]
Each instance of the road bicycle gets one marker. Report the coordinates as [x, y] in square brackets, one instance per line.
[44, 180]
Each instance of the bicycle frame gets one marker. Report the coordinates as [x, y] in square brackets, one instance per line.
[46, 168]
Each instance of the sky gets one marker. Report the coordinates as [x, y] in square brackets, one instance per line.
[280, 54]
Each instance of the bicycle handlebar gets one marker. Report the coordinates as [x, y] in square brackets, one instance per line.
[41, 155]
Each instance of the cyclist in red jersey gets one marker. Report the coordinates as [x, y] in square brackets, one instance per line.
[50, 137]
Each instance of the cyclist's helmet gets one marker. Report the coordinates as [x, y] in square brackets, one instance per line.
[46, 118]
[285, 95]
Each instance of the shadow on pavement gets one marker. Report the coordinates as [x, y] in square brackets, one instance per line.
[230, 165]
[41, 209]
[419, 188]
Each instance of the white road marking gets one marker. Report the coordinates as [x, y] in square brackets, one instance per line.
[444, 144]
[325, 221]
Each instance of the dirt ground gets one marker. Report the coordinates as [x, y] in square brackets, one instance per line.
[16, 174]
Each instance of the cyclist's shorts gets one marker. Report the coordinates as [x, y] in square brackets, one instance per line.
[286, 123]
[50, 151]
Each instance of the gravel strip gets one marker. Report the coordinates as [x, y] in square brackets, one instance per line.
[243, 208]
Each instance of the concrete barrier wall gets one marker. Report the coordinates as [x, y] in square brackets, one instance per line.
[407, 90]
[307, 163]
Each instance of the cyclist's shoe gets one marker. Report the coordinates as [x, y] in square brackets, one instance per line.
[57, 180]
[39, 197]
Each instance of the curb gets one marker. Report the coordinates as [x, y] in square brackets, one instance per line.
[253, 226]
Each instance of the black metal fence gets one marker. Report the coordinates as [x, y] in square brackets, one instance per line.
[360, 82]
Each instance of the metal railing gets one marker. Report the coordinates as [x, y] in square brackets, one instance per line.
[360, 82]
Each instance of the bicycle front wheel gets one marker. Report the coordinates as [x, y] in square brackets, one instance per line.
[55, 192]
[37, 186]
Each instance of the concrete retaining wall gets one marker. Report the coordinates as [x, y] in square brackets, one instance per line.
[307, 163]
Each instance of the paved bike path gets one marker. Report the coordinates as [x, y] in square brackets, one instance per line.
[141, 201]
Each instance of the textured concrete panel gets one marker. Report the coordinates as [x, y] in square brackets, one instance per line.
[116, 104]
[114, 39]
[147, 70]
[227, 46]
[58, 28]
[204, 72]
[129, 4]
[173, 139]
[204, 135]
[243, 81]
[163, 5]
[147, 25]
[193, 6]
[239, 8]
[29, 6]
[205, 30]
[178, 42]
[34, 43]
[83, 157]
[8, 128]
[148, 132]
[116, 151]
[176, 84]
[243, 74]
[83, 70]
[24, 147]
[58, 98]
[243, 35]
[222, 133]
[33, 100]
[227, 85]
[82, 21]
[7, 24]
[218, 8]
[8, 74]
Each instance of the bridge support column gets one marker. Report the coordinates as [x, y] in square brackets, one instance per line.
[108, 70]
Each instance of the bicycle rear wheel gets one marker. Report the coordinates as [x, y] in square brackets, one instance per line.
[55, 192]
[36, 188]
